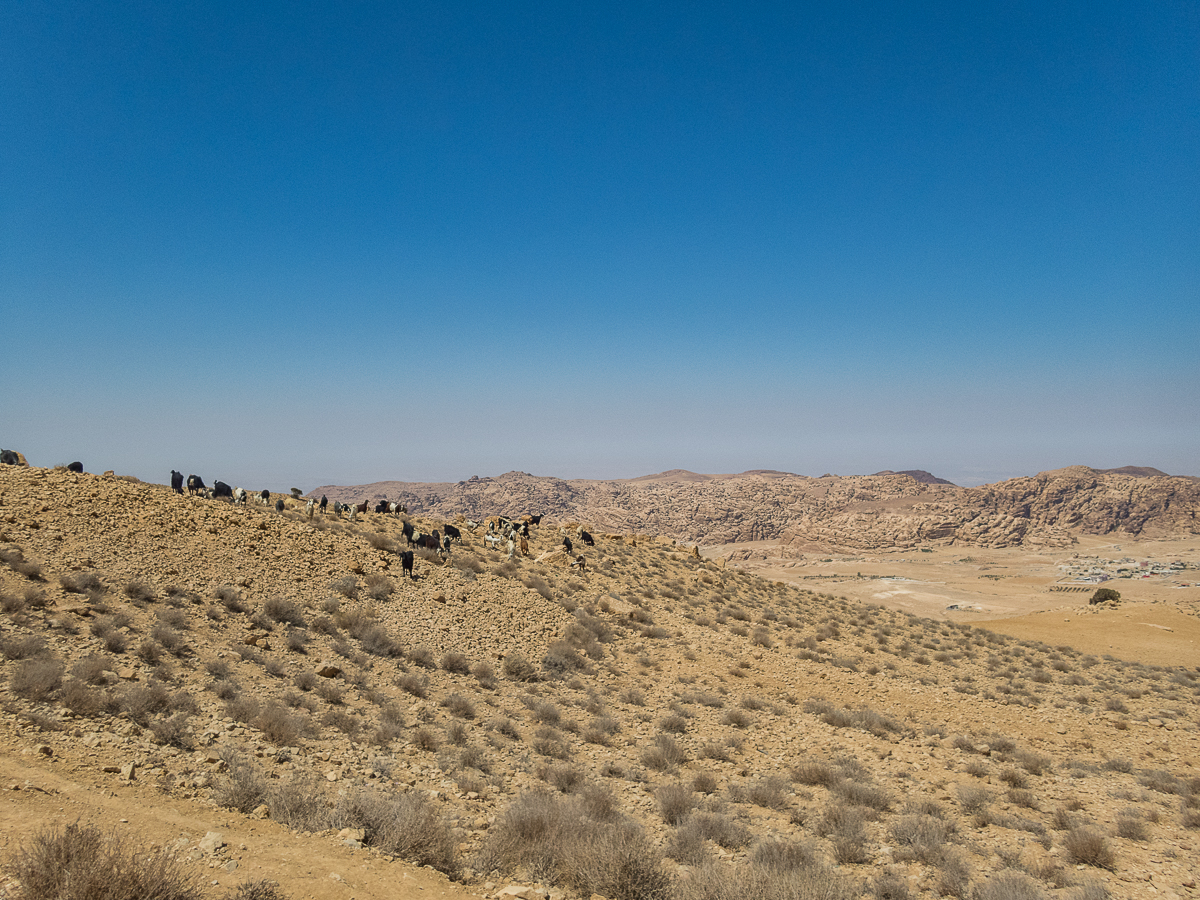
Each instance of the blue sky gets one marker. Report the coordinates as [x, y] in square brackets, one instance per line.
[299, 244]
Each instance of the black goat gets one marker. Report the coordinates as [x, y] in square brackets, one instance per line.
[76, 467]
[195, 484]
[177, 481]
[406, 563]
[221, 489]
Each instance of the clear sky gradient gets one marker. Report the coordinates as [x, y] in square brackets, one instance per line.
[294, 244]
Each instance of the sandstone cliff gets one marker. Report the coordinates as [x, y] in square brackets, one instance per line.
[854, 512]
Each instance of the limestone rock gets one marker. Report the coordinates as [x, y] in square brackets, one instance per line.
[212, 842]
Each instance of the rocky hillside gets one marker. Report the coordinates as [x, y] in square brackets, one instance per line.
[265, 695]
[854, 513]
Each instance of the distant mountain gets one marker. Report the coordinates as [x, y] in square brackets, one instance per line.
[855, 512]
[1136, 472]
[919, 474]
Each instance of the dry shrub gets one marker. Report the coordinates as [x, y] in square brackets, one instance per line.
[518, 668]
[973, 799]
[1162, 781]
[376, 640]
[548, 742]
[1132, 828]
[564, 778]
[673, 724]
[561, 660]
[467, 563]
[675, 802]
[538, 583]
[11, 603]
[422, 656]
[173, 731]
[230, 598]
[721, 830]
[460, 706]
[890, 886]
[417, 685]
[736, 718]
[283, 611]
[379, 586]
[82, 583]
[169, 639]
[455, 663]
[815, 772]
[1009, 885]
[23, 647]
[347, 587]
[36, 679]
[81, 699]
[844, 824]
[866, 718]
[424, 739]
[15, 560]
[778, 855]
[863, 793]
[139, 592]
[954, 875]
[920, 837]
[300, 804]
[663, 755]
[599, 802]
[1034, 763]
[484, 674]
[1014, 778]
[553, 839]
[380, 542]
[330, 691]
[1089, 847]
[278, 725]
[257, 890]
[243, 788]
[80, 862]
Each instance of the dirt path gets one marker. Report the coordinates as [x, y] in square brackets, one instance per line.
[38, 791]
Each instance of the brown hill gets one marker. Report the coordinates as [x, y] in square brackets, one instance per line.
[855, 512]
[651, 725]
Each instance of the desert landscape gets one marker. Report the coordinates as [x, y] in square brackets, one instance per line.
[262, 701]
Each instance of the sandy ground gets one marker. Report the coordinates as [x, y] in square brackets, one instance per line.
[1016, 591]
[307, 866]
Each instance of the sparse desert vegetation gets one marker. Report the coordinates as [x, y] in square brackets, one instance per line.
[656, 725]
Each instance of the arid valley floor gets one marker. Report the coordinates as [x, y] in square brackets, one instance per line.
[264, 697]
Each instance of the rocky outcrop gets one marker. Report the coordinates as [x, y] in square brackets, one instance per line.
[855, 512]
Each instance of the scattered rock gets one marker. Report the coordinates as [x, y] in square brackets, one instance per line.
[212, 842]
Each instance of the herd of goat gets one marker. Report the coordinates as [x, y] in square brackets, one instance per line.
[500, 529]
